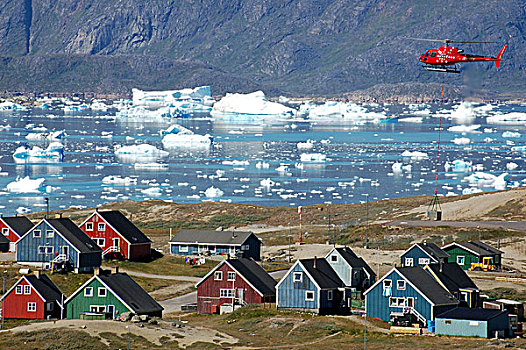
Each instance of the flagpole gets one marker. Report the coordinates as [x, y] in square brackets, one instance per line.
[301, 234]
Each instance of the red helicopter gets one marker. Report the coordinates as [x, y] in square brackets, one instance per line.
[445, 58]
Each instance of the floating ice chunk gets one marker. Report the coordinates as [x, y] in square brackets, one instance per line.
[411, 120]
[11, 106]
[313, 157]
[471, 190]
[458, 166]
[397, 168]
[187, 141]
[25, 185]
[23, 210]
[139, 153]
[254, 104]
[150, 166]
[509, 118]
[464, 128]
[120, 181]
[152, 191]
[305, 145]
[54, 153]
[461, 141]
[481, 179]
[519, 148]
[235, 162]
[47, 136]
[262, 165]
[511, 134]
[196, 99]
[414, 155]
[464, 112]
[282, 169]
[512, 166]
[176, 129]
[213, 192]
[267, 183]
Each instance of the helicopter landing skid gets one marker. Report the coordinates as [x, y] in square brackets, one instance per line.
[442, 69]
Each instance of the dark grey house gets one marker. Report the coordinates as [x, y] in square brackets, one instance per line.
[422, 254]
[235, 243]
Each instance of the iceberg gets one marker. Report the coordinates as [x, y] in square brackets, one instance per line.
[313, 157]
[253, 104]
[187, 141]
[46, 136]
[11, 106]
[397, 168]
[464, 128]
[143, 153]
[485, 180]
[414, 155]
[188, 100]
[152, 191]
[213, 192]
[176, 129]
[464, 112]
[458, 166]
[508, 118]
[119, 181]
[461, 141]
[150, 166]
[511, 166]
[511, 134]
[336, 110]
[305, 145]
[54, 153]
[25, 185]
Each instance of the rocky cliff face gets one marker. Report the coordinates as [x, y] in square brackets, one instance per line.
[295, 47]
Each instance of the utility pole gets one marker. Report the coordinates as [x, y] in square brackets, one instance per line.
[3, 299]
[289, 241]
[329, 225]
[480, 258]
[365, 330]
[47, 207]
[367, 221]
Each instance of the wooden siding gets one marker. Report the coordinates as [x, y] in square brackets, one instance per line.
[416, 253]
[140, 251]
[16, 305]
[108, 234]
[254, 251]
[27, 247]
[471, 328]
[81, 303]
[342, 269]
[291, 294]
[208, 292]
[377, 305]
[469, 258]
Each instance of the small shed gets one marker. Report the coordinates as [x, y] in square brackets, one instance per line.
[473, 322]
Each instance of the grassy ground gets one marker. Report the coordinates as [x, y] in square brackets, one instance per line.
[167, 265]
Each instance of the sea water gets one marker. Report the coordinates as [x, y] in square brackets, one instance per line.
[258, 161]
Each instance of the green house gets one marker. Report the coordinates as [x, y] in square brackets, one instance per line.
[109, 295]
[466, 253]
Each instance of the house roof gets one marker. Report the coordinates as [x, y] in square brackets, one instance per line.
[427, 285]
[354, 261]
[45, 287]
[475, 314]
[452, 276]
[433, 250]
[472, 248]
[4, 239]
[323, 273]
[130, 292]
[256, 275]
[125, 227]
[487, 247]
[74, 235]
[211, 237]
[19, 224]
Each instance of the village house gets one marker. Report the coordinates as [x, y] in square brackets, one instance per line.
[352, 270]
[117, 236]
[422, 254]
[13, 227]
[234, 283]
[312, 285]
[473, 322]
[233, 243]
[407, 295]
[33, 297]
[58, 242]
[108, 295]
[467, 253]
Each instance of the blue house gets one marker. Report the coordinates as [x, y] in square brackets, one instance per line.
[352, 270]
[312, 285]
[422, 254]
[58, 242]
[408, 295]
[234, 243]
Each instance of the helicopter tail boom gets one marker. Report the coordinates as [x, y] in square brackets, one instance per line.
[499, 56]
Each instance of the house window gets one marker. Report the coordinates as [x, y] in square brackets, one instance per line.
[231, 276]
[298, 277]
[183, 248]
[102, 226]
[464, 296]
[100, 241]
[387, 284]
[49, 250]
[400, 285]
[396, 302]
[102, 292]
[334, 258]
[474, 323]
[410, 302]
[50, 306]
[309, 295]
[460, 260]
[97, 308]
[88, 292]
[408, 262]
[50, 234]
[37, 234]
[329, 295]
[5, 231]
[27, 289]
[213, 249]
[19, 289]
[447, 321]
[31, 306]
[41, 250]
[218, 276]
[227, 293]
[89, 226]
[423, 261]
[245, 247]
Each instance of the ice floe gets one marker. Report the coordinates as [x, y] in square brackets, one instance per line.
[458, 166]
[46, 136]
[414, 155]
[119, 181]
[485, 180]
[25, 185]
[313, 157]
[54, 153]
[511, 134]
[508, 118]
[213, 192]
[461, 141]
[150, 166]
[464, 128]
[143, 153]
[185, 141]
[252, 104]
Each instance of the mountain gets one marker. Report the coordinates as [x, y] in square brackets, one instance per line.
[301, 47]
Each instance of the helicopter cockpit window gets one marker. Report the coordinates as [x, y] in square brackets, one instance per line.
[427, 54]
[433, 54]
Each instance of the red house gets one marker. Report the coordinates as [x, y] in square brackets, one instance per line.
[13, 228]
[232, 284]
[33, 297]
[117, 236]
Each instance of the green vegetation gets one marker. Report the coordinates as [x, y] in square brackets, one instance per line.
[167, 265]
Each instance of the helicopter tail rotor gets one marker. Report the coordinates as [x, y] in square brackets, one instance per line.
[499, 56]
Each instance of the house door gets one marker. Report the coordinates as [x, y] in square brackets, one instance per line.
[116, 242]
[65, 251]
[111, 311]
[12, 246]
[241, 295]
